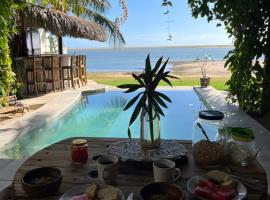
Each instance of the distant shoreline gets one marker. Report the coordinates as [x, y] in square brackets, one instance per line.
[181, 68]
[184, 46]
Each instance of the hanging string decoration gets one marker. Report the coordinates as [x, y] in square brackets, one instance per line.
[123, 17]
[168, 4]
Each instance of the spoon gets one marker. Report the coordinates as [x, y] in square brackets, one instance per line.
[203, 131]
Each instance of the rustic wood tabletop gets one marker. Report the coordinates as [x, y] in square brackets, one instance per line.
[129, 180]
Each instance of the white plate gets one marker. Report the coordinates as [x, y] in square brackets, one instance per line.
[240, 189]
[80, 190]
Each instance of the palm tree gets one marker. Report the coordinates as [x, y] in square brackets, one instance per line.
[91, 9]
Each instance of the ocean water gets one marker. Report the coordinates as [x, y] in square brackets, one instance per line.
[132, 59]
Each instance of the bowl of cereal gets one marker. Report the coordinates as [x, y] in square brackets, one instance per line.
[42, 182]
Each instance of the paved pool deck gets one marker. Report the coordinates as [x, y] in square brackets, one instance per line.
[59, 103]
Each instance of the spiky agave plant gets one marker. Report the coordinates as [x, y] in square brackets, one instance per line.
[148, 99]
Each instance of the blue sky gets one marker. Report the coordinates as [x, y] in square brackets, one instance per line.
[146, 26]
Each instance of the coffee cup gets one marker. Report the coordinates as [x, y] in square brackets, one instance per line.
[107, 168]
[165, 171]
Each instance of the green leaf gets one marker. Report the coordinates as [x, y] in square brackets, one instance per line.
[156, 107]
[157, 66]
[170, 76]
[159, 76]
[159, 100]
[165, 97]
[147, 65]
[134, 88]
[137, 110]
[132, 101]
[124, 86]
[138, 78]
[167, 81]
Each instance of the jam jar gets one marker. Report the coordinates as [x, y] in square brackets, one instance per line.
[209, 138]
[79, 151]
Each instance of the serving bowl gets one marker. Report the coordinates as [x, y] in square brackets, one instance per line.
[42, 182]
[168, 190]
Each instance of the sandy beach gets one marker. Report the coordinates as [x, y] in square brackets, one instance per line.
[182, 68]
[213, 68]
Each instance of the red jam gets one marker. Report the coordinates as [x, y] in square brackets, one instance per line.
[79, 151]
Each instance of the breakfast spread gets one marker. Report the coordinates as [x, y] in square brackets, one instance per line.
[97, 192]
[218, 185]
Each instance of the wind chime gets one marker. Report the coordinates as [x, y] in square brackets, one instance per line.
[123, 17]
[168, 4]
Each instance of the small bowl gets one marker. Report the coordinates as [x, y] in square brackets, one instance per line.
[42, 189]
[173, 191]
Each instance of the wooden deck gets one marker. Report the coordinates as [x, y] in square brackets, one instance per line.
[129, 180]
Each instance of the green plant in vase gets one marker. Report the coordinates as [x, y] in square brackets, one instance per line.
[149, 101]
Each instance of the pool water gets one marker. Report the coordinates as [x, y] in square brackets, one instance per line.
[101, 115]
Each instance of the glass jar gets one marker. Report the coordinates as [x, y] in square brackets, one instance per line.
[79, 151]
[150, 131]
[209, 138]
[242, 146]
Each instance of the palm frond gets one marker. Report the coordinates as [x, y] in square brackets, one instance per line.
[100, 6]
[115, 37]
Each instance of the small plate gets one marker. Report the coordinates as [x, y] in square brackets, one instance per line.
[240, 189]
[80, 190]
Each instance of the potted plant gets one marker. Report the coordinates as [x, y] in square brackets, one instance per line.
[149, 102]
[204, 80]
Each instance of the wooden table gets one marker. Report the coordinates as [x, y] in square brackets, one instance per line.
[58, 155]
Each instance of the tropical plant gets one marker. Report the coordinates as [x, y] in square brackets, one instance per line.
[203, 68]
[248, 23]
[8, 10]
[150, 100]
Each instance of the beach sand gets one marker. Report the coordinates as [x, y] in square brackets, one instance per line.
[181, 68]
[213, 68]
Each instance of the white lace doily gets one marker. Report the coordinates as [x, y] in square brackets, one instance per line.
[131, 150]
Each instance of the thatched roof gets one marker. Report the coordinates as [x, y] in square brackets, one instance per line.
[61, 24]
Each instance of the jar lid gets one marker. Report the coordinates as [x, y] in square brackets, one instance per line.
[78, 142]
[241, 134]
[211, 115]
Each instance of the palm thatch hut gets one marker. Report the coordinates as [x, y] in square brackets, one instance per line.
[58, 23]
[62, 24]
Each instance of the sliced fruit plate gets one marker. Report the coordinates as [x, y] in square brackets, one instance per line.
[204, 188]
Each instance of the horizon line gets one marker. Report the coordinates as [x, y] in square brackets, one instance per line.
[140, 47]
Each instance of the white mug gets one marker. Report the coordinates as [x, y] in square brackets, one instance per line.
[107, 168]
[165, 171]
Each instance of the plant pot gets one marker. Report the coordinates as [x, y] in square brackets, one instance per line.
[150, 131]
[205, 82]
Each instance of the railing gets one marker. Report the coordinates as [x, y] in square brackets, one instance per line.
[46, 73]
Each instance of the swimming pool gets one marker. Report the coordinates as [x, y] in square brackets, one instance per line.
[101, 115]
